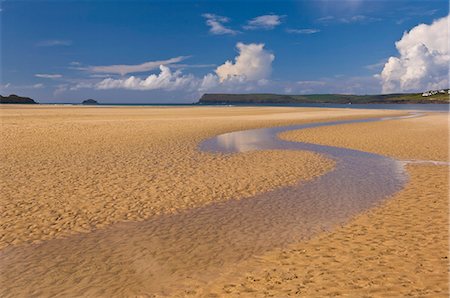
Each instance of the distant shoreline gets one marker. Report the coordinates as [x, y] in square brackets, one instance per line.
[436, 107]
[440, 96]
[267, 99]
[241, 104]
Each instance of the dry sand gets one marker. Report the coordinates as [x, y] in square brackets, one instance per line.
[424, 138]
[398, 249]
[67, 170]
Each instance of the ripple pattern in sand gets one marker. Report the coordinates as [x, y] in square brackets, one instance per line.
[167, 252]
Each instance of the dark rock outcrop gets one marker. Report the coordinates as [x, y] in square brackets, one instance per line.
[15, 99]
[89, 102]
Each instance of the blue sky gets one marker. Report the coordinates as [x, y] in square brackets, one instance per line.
[67, 51]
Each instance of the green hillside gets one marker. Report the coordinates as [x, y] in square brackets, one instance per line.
[321, 98]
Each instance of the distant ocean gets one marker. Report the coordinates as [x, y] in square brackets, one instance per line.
[421, 107]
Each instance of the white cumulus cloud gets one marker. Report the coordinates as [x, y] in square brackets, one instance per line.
[266, 22]
[423, 61]
[165, 80]
[252, 64]
[216, 24]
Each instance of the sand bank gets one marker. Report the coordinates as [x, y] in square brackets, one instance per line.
[424, 138]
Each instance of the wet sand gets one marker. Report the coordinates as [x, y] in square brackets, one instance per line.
[398, 249]
[98, 174]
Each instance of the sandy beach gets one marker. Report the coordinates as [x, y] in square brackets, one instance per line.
[224, 149]
[398, 249]
[74, 171]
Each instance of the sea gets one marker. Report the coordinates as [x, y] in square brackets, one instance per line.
[415, 107]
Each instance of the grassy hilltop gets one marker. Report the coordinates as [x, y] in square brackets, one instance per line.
[261, 98]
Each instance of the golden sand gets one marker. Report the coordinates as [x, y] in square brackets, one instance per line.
[67, 170]
[398, 249]
[424, 138]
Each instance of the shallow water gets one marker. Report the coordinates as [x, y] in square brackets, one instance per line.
[167, 252]
[435, 107]
[374, 106]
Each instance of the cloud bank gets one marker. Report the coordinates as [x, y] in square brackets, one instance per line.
[166, 80]
[252, 67]
[423, 61]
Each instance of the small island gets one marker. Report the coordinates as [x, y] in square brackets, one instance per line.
[15, 99]
[89, 102]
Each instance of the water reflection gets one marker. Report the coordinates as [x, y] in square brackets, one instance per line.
[267, 139]
[242, 141]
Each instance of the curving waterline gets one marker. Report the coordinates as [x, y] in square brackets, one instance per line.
[173, 251]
